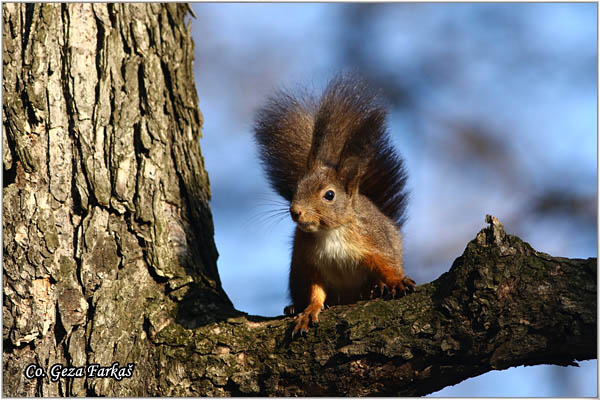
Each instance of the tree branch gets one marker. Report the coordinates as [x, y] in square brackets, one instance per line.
[502, 304]
[109, 256]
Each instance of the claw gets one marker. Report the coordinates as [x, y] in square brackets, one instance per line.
[395, 288]
[410, 284]
[307, 318]
[379, 290]
[289, 310]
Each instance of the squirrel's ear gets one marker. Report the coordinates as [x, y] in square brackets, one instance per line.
[350, 174]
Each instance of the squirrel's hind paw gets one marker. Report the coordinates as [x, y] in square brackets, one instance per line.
[409, 282]
[379, 290]
[398, 287]
[403, 286]
[290, 310]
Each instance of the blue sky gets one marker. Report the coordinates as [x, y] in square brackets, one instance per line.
[520, 79]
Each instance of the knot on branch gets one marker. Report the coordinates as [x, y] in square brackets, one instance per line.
[495, 236]
[492, 235]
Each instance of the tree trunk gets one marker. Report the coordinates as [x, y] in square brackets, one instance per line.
[109, 254]
[106, 220]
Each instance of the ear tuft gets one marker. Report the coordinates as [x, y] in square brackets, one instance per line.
[350, 173]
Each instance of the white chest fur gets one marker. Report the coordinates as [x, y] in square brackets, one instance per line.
[337, 258]
[332, 246]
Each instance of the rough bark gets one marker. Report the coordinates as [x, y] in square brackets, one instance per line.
[109, 253]
[106, 217]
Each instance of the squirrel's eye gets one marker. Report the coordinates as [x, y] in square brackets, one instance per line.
[329, 195]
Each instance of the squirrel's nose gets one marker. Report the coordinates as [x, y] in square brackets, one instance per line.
[296, 212]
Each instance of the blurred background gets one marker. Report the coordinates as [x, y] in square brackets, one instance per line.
[493, 106]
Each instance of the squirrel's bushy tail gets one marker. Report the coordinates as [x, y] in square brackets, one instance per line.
[347, 121]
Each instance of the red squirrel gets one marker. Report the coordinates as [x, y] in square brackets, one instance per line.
[332, 159]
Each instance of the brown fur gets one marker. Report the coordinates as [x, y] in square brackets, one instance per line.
[332, 160]
[347, 118]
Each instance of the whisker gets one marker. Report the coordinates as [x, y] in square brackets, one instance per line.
[272, 198]
[274, 222]
[269, 218]
[265, 215]
[276, 205]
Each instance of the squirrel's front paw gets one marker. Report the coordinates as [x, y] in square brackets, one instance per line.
[303, 320]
